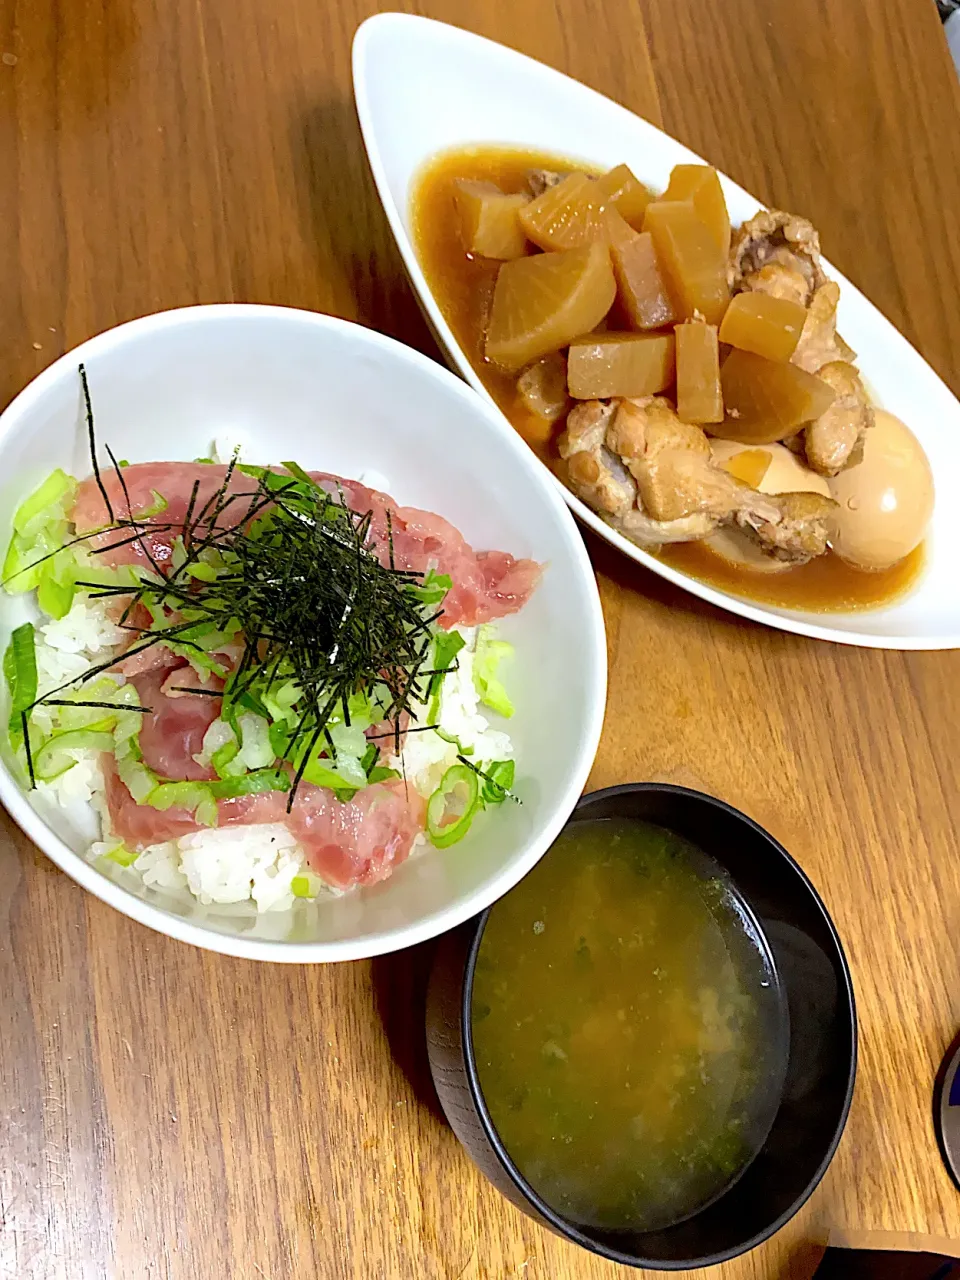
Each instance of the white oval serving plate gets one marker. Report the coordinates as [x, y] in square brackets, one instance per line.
[424, 87]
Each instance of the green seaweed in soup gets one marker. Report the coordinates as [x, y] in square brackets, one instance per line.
[628, 1031]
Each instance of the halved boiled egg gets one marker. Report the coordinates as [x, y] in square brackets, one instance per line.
[884, 502]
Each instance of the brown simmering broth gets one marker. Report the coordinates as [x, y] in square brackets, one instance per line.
[628, 1030]
[463, 289]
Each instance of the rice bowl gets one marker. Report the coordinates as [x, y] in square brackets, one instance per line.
[400, 408]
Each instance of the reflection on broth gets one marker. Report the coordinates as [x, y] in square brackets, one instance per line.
[628, 1030]
[626, 335]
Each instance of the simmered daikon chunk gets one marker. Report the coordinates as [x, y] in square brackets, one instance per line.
[565, 216]
[693, 266]
[623, 190]
[641, 289]
[700, 183]
[699, 398]
[615, 230]
[765, 325]
[765, 400]
[489, 222]
[620, 364]
[542, 387]
[542, 302]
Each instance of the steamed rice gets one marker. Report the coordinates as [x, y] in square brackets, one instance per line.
[255, 863]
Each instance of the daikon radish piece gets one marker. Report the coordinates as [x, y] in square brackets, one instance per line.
[693, 266]
[701, 184]
[544, 301]
[641, 289]
[766, 401]
[620, 364]
[623, 190]
[489, 222]
[765, 325]
[699, 397]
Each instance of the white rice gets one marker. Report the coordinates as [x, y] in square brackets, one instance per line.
[254, 863]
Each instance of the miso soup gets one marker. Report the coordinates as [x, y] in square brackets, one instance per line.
[629, 1031]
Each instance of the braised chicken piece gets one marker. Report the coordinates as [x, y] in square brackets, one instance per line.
[651, 534]
[777, 253]
[596, 475]
[539, 180]
[819, 342]
[670, 461]
[653, 477]
[835, 440]
[798, 533]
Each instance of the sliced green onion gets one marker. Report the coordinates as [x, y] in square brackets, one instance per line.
[206, 812]
[451, 808]
[25, 559]
[486, 661]
[183, 795]
[300, 887]
[348, 740]
[157, 508]
[280, 733]
[127, 728]
[20, 673]
[121, 855]
[298, 472]
[47, 501]
[57, 586]
[53, 758]
[251, 784]
[224, 757]
[140, 781]
[202, 572]
[279, 702]
[320, 773]
[434, 587]
[445, 649]
[496, 781]
[97, 575]
[255, 749]
[381, 774]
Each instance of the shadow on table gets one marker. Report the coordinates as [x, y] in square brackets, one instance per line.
[400, 993]
[803, 1261]
[340, 209]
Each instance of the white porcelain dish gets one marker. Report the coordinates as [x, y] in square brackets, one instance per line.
[423, 87]
[337, 397]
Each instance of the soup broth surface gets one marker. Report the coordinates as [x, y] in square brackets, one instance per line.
[628, 1028]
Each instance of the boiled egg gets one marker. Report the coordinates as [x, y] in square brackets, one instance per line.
[884, 502]
[769, 468]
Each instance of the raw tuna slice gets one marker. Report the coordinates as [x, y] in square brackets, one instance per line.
[356, 843]
[487, 584]
[172, 733]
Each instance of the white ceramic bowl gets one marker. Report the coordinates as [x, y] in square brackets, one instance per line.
[337, 397]
[423, 87]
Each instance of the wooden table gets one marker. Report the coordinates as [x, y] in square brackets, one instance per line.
[172, 1114]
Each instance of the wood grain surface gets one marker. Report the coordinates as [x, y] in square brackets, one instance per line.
[170, 1114]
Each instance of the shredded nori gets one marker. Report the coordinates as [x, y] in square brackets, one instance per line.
[299, 587]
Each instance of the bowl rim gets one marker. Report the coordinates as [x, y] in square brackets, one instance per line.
[560, 1224]
[813, 626]
[84, 873]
